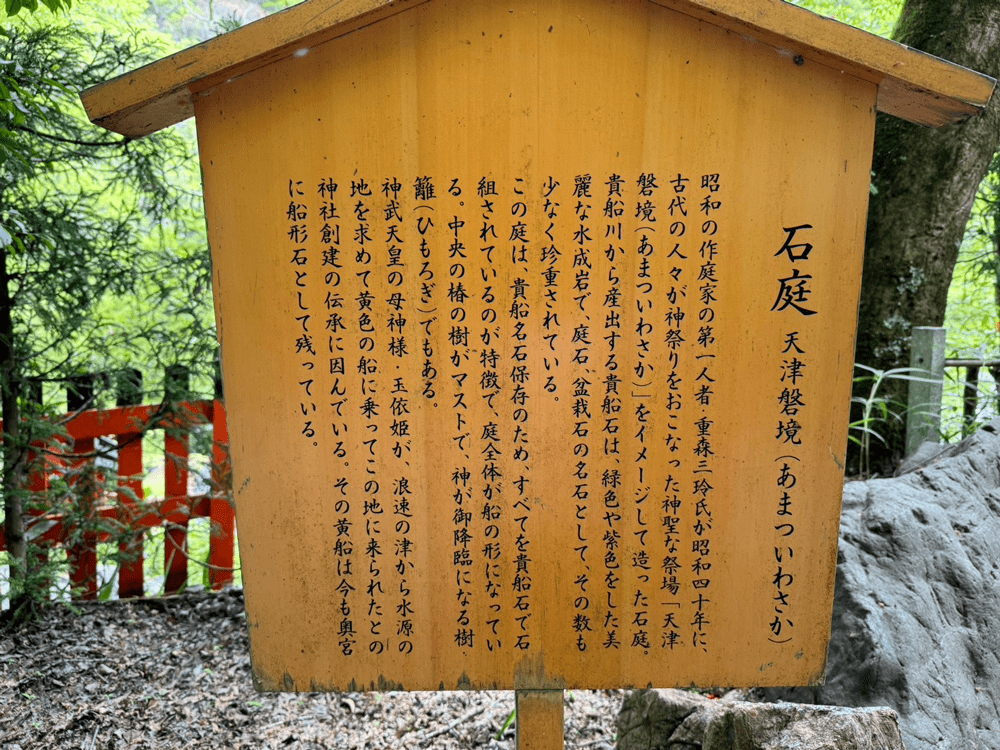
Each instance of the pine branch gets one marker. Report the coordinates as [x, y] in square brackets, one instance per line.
[72, 141]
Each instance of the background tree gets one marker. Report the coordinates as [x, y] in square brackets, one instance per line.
[78, 263]
[13, 7]
[88, 287]
[924, 183]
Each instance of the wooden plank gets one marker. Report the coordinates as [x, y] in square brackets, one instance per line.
[82, 555]
[38, 482]
[130, 494]
[221, 553]
[175, 536]
[539, 719]
[125, 420]
[82, 559]
[125, 424]
[912, 85]
[161, 94]
[95, 423]
[615, 562]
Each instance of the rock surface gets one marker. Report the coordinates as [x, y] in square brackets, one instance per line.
[793, 726]
[653, 720]
[916, 622]
[679, 720]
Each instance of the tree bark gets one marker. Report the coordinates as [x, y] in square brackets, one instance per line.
[924, 182]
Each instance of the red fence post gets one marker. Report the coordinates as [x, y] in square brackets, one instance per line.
[75, 521]
[221, 555]
[175, 513]
[130, 492]
[38, 484]
[82, 556]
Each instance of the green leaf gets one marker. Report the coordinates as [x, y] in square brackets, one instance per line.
[866, 430]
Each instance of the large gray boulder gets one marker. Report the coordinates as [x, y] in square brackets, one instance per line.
[916, 621]
[678, 720]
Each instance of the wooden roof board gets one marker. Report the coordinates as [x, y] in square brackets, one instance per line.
[161, 94]
[912, 85]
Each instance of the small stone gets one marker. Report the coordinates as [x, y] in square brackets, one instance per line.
[793, 726]
[672, 719]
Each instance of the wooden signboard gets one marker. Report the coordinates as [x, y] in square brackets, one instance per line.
[537, 325]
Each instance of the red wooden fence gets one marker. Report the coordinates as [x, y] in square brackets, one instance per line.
[128, 508]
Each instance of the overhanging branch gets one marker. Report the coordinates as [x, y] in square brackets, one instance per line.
[72, 141]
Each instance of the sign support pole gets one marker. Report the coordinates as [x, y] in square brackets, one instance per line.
[539, 719]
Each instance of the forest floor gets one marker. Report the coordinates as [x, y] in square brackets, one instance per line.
[175, 673]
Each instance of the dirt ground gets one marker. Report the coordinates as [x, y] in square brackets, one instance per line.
[175, 673]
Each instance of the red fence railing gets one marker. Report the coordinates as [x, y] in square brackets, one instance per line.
[125, 509]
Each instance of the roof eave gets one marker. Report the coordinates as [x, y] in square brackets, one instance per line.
[161, 94]
[911, 84]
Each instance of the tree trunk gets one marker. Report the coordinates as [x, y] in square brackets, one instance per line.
[924, 182]
[13, 454]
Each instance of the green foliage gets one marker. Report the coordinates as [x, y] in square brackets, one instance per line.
[973, 314]
[974, 296]
[103, 259]
[103, 238]
[199, 537]
[975, 292]
[511, 717]
[273, 6]
[78, 205]
[193, 21]
[875, 16]
[13, 7]
[876, 409]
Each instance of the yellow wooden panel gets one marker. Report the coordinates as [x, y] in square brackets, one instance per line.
[914, 85]
[911, 82]
[539, 720]
[550, 390]
[161, 94]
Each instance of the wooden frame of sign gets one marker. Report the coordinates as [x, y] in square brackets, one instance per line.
[537, 327]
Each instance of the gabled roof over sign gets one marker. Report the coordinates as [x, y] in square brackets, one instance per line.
[913, 85]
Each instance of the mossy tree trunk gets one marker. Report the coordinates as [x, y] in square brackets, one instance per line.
[924, 184]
